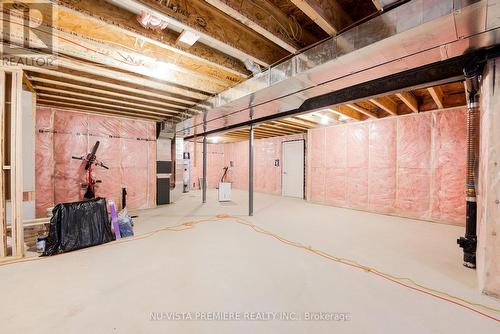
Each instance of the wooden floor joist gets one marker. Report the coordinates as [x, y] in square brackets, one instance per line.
[97, 110]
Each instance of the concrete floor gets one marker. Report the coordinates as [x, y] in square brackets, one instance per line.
[227, 267]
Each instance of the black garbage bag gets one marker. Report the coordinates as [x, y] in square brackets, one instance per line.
[78, 225]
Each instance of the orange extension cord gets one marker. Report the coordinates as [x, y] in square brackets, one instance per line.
[223, 217]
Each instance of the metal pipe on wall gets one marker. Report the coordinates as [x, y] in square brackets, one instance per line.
[250, 171]
[204, 184]
[469, 242]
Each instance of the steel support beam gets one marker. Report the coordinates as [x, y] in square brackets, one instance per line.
[204, 185]
[250, 171]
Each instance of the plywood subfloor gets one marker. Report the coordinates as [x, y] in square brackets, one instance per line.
[227, 267]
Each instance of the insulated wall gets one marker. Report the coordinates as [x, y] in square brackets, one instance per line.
[127, 147]
[267, 176]
[411, 166]
[215, 163]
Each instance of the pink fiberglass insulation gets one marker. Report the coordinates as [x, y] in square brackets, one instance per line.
[382, 169]
[127, 147]
[411, 166]
[357, 165]
[215, 164]
[267, 176]
[70, 139]
[450, 149]
[44, 163]
[413, 191]
[318, 137]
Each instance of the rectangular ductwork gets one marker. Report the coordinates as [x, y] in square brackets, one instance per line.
[414, 34]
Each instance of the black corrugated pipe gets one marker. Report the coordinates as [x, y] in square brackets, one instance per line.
[469, 242]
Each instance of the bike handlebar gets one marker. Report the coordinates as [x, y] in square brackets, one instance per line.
[102, 165]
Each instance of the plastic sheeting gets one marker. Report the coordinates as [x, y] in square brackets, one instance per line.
[411, 166]
[127, 147]
[78, 225]
[488, 247]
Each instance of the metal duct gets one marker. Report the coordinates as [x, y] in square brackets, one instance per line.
[469, 242]
[415, 34]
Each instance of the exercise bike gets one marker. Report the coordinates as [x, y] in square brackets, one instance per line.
[91, 160]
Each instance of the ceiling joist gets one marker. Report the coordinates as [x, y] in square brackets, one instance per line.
[265, 18]
[328, 14]
[410, 100]
[214, 27]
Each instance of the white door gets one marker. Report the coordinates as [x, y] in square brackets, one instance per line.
[292, 169]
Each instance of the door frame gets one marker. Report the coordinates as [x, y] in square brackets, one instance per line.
[303, 165]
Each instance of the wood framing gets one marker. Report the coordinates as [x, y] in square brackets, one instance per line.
[266, 19]
[16, 166]
[410, 100]
[328, 14]
[377, 4]
[362, 110]
[386, 104]
[117, 92]
[3, 220]
[97, 110]
[347, 112]
[437, 96]
[60, 97]
[145, 39]
[215, 27]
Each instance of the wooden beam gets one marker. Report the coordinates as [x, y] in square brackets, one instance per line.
[94, 110]
[16, 166]
[386, 104]
[268, 20]
[303, 121]
[308, 118]
[88, 87]
[437, 96]
[377, 4]
[126, 83]
[81, 102]
[84, 45]
[150, 41]
[28, 84]
[117, 102]
[3, 220]
[347, 112]
[328, 14]
[362, 110]
[214, 27]
[409, 100]
[281, 125]
[296, 125]
[276, 129]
